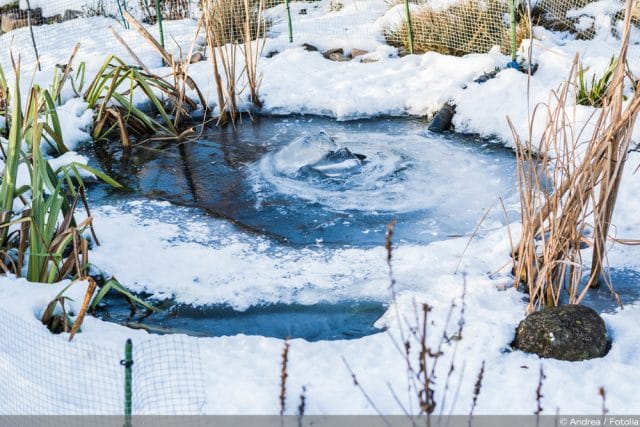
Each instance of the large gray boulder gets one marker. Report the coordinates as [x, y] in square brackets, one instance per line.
[568, 332]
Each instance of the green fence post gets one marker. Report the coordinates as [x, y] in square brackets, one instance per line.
[127, 362]
[124, 21]
[286, 5]
[33, 38]
[159, 21]
[512, 16]
[409, 29]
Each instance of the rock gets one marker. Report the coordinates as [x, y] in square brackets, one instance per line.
[196, 57]
[442, 121]
[72, 14]
[336, 55]
[339, 57]
[358, 52]
[335, 6]
[330, 52]
[35, 13]
[568, 332]
[272, 53]
[309, 47]
[487, 76]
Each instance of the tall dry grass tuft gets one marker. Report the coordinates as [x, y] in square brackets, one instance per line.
[569, 190]
[471, 26]
[235, 32]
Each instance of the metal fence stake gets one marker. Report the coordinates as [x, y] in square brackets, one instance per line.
[512, 16]
[409, 28]
[127, 362]
[159, 21]
[33, 39]
[286, 5]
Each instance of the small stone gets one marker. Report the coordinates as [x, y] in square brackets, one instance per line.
[336, 55]
[339, 57]
[330, 52]
[442, 120]
[358, 52]
[309, 47]
[568, 332]
[72, 14]
[196, 57]
[335, 6]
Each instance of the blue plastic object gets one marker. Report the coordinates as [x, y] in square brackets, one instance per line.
[522, 67]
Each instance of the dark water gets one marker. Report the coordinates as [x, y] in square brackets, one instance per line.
[433, 186]
[625, 283]
[342, 321]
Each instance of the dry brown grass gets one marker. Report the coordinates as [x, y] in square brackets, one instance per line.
[471, 26]
[558, 222]
[229, 18]
[235, 32]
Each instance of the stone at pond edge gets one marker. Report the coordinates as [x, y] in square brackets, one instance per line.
[309, 47]
[358, 52]
[568, 332]
[336, 55]
[442, 120]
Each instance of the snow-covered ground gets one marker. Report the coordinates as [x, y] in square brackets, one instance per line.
[149, 252]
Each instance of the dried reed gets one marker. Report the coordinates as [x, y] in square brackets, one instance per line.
[558, 222]
[235, 29]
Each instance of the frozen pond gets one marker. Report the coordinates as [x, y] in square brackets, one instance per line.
[309, 180]
[293, 193]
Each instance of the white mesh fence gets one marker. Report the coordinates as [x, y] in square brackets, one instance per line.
[45, 374]
[448, 26]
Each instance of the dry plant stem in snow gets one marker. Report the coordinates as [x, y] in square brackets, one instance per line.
[253, 50]
[283, 376]
[558, 222]
[539, 395]
[420, 356]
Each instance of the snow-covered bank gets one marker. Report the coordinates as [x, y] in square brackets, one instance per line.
[242, 373]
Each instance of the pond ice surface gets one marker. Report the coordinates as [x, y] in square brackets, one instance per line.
[335, 190]
[310, 180]
[439, 184]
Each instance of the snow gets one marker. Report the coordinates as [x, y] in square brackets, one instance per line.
[169, 251]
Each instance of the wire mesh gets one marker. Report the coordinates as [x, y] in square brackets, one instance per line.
[576, 16]
[34, 29]
[453, 27]
[45, 374]
[468, 26]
